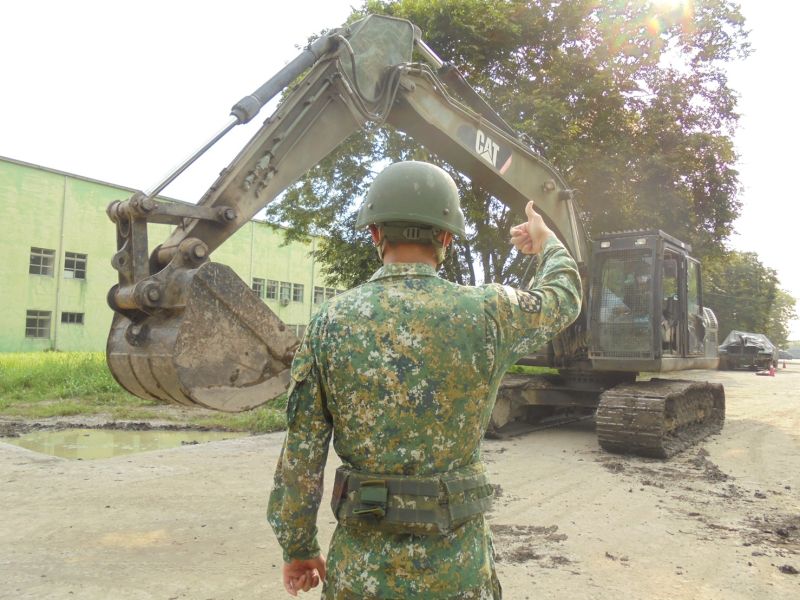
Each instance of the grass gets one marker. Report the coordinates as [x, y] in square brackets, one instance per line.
[526, 370]
[39, 385]
[58, 384]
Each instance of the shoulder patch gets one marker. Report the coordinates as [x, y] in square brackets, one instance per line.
[301, 368]
[528, 301]
[511, 294]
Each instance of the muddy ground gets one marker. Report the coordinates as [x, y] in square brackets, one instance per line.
[721, 520]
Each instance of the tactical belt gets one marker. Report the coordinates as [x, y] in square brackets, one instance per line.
[437, 504]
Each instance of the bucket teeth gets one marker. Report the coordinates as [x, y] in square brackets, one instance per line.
[224, 350]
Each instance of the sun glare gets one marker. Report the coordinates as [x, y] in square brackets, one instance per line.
[669, 12]
[670, 4]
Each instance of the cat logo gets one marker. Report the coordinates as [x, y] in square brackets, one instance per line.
[499, 156]
[486, 148]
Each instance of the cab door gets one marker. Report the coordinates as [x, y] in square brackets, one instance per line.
[695, 328]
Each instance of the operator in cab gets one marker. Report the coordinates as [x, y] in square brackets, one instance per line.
[403, 371]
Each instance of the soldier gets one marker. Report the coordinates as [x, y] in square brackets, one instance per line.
[404, 370]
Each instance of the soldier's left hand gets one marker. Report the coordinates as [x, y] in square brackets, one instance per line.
[529, 237]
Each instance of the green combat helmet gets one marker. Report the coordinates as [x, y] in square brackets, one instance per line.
[412, 202]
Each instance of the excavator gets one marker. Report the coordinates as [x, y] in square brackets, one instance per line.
[188, 330]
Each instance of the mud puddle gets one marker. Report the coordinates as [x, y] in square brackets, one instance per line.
[89, 444]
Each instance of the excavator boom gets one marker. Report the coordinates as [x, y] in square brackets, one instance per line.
[187, 330]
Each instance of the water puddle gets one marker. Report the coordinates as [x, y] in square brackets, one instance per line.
[87, 444]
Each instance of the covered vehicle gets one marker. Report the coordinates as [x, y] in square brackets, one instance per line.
[744, 350]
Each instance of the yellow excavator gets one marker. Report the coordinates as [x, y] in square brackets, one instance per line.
[187, 330]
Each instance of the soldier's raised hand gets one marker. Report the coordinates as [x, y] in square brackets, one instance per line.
[529, 237]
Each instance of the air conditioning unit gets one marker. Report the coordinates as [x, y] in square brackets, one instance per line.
[284, 301]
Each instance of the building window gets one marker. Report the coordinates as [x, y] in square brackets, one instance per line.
[258, 286]
[42, 261]
[286, 291]
[297, 292]
[298, 330]
[321, 294]
[272, 289]
[72, 318]
[74, 265]
[37, 324]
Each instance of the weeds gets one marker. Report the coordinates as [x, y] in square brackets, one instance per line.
[59, 384]
[526, 370]
[37, 376]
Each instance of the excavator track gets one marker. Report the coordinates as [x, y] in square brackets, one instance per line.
[660, 417]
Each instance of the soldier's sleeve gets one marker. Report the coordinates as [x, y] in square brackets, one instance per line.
[297, 489]
[522, 321]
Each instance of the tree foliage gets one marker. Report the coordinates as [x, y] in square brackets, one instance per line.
[629, 101]
[745, 295]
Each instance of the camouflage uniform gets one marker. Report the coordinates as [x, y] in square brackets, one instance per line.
[405, 370]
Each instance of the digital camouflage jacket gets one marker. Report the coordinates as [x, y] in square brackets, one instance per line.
[403, 371]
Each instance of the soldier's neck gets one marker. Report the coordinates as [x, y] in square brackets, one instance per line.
[409, 253]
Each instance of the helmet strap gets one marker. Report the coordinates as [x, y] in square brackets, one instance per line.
[381, 245]
[411, 233]
[441, 254]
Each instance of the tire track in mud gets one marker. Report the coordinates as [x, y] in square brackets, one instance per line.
[692, 487]
[518, 544]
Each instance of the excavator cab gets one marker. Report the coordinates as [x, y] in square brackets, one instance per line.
[646, 305]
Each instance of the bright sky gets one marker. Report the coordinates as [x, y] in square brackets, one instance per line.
[122, 92]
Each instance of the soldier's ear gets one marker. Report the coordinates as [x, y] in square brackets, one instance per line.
[446, 238]
[375, 231]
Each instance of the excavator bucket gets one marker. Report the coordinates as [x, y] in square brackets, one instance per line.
[225, 350]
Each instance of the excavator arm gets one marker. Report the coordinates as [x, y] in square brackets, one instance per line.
[188, 330]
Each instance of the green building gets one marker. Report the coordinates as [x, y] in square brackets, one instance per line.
[57, 244]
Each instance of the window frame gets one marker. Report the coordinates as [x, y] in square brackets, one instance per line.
[72, 318]
[298, 287]
[43, 324]
[41, 254]
[259, 285]
[73, 266]
[285, 286]
[271, 291]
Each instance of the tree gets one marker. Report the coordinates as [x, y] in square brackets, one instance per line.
[745, 296]
[629, 101]
[782, 313]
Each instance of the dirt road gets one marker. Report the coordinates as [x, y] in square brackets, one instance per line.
[719, 521]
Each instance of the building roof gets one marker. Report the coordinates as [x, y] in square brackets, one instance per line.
[115, 185]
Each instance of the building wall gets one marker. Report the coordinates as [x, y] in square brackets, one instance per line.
[52, 210]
